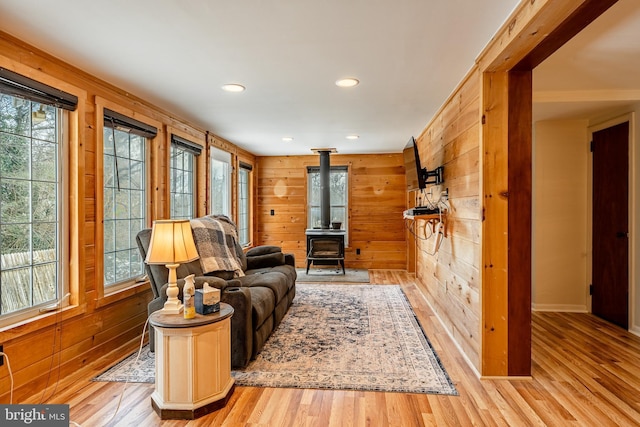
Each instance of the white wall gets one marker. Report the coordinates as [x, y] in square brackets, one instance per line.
[560, 199]
[561, 219]
[609, 118]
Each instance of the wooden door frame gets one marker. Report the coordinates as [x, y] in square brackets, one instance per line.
[633, 224]
[535, 30]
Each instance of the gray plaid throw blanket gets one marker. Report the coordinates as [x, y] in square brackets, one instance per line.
[215, 238]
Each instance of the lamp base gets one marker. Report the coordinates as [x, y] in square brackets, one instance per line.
[172, 307]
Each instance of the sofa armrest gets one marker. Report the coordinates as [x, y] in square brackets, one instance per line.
[263, 250]
[241, 327]
[263, 261]
[290, 259]
[214, 282]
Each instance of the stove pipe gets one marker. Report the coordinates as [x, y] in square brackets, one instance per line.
[325, 196]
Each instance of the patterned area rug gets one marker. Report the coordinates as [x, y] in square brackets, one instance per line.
[341, 337]
[142, 370]
[349, 337]
[332, 275]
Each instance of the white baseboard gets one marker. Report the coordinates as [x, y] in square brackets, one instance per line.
[567, 308]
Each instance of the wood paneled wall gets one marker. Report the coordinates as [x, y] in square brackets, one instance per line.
[58, 344]
[479, 282]
[376, 202]
[451, 277]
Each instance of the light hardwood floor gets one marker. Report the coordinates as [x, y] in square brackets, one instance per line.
[586, 372]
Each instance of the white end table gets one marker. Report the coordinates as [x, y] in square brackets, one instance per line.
[193, 363]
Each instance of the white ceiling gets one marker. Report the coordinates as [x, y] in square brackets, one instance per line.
[596, 71]
[408, 54]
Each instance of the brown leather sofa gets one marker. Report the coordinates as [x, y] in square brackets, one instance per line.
[260, 298]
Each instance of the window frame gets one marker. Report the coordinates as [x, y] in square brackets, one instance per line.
[218, 155]
[333, 168]
[62, 223]
[108, 294]
[120, 188]
[194, 151]
[71, 256]
[244, 167]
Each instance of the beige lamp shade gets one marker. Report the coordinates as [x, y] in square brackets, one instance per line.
[171, 243]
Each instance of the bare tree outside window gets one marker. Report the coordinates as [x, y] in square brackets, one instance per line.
[30, 185]
[244, 234]
[220, 182]
[124, 204]
[182, 172]
[338, 190]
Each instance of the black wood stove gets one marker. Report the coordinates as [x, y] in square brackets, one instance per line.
[325, 246]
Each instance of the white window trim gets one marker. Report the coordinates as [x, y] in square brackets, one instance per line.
[225, 157]
[242, 169]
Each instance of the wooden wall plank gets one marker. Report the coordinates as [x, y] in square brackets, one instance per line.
[450, 278]
[98, 324]
[376, 202]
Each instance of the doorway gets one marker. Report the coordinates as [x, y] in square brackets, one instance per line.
[610, 224]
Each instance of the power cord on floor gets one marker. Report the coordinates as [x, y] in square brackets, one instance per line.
[144, 328]
[57, 331]
[2, 354]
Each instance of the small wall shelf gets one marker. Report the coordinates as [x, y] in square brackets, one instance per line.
[431, 219]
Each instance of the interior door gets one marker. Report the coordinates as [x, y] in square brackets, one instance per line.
[610, 266]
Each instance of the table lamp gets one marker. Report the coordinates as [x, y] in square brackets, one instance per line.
[171, 244]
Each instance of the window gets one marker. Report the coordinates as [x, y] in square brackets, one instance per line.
[220, 182]
[33, 187]
[125, 195]
[182, 177]
[339, 188]
[244, 206]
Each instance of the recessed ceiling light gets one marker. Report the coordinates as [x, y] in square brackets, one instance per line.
[287, 138]
[348, 82]
[352, 137]
[232, 87]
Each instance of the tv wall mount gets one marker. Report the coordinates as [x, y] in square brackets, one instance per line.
[434, 176]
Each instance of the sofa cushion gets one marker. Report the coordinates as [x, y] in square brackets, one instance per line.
[267, 278]
[261, 335]
[262, 304]
[280, 311]
[288, 271]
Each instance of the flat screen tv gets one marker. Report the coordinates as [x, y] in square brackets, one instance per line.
[415, 174]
